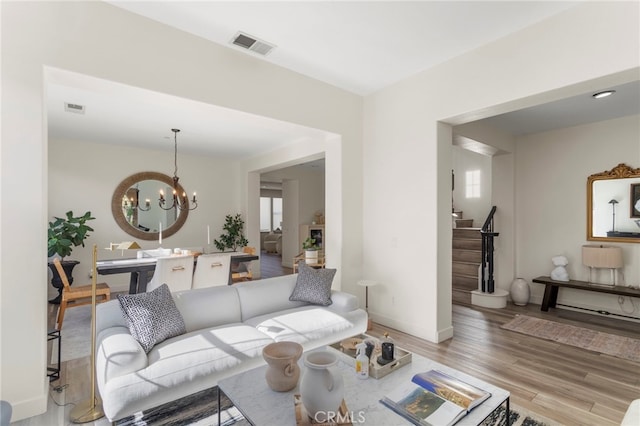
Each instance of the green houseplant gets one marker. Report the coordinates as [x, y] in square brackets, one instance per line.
[66, 233]
[310, 250]
[309, 244]
[63, 235]
[233, 238]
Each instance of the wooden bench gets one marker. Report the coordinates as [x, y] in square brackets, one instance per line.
[552, 287]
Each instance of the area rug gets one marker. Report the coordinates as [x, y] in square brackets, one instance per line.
[518, 416]
[605, 343]
[75, 334]
[198, 409]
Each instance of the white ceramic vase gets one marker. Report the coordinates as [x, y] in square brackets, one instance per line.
[311, 256]
[520, 292]
[322, 386]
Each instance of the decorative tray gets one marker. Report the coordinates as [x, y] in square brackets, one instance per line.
[377, 371]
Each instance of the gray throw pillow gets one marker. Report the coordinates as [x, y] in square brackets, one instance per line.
[152, 317]
[313, 285]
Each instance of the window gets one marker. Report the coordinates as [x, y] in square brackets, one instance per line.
[472, 184]
[265, 214]
[270, 213]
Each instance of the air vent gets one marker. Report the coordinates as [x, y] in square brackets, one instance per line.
[252, 43]
[76, 108]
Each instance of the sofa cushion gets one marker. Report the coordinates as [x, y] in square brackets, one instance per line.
[313, 285]
[208, 307]
[304, 324]
[203, 352]
[152, 317]
[265, 296]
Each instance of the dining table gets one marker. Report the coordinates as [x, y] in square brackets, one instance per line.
[142, 268]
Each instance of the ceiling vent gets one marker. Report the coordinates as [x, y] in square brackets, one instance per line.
[76, 108]
[252, 43]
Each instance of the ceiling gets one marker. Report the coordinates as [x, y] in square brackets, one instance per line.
[360, 46]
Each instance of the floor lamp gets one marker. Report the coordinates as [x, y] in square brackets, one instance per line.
[91, 409]
[366, 284]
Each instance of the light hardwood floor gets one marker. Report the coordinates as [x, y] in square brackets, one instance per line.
[566, 384]
[569, 385]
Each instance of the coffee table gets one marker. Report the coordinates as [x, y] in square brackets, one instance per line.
[262, 406]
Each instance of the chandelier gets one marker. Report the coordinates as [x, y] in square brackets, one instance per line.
[135, 203]
[180, 202]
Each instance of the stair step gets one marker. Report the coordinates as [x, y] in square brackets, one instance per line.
[461, 296]
[464, 282]
[462, 255]
[464, 268]
[467, 244]
[472, 233]
[464, 223]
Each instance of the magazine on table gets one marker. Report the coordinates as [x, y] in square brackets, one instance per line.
[434, 398]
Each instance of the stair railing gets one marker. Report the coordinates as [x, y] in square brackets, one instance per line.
[487, 283]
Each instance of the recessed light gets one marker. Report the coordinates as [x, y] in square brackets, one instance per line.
[603, 94]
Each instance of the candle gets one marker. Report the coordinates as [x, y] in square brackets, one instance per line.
[160, 234]
[208, 236]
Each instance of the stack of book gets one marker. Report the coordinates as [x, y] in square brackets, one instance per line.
[434, 398]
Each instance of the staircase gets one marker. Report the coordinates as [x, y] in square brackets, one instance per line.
[466, 260]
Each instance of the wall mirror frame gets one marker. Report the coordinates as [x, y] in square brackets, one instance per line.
[629, 177]
[121, 219]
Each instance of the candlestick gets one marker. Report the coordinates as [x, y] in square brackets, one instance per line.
[208, 236]
[160, 234]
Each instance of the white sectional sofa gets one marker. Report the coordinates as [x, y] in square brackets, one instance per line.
[226, 329]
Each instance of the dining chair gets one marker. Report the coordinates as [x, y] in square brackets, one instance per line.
[175, 271]
[77, 295]
[211, 270]
[243, 270]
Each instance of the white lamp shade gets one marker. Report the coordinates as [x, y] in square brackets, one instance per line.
[600, 256]
[367, 283]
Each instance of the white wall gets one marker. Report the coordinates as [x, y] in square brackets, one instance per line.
[407, 154]
[477, 209]
[83, 175]
[551, 203]
[123, 47]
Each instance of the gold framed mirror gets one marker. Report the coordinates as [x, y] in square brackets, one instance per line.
[135, 207]
[613, 205]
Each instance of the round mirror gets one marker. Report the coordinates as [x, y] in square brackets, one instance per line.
[136, 210]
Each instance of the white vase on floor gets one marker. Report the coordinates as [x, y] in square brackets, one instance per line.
[520, 292]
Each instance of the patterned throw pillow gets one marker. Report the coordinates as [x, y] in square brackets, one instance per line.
[313, 285]
[152, 317]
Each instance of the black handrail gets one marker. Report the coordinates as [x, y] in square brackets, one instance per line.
[487, 282]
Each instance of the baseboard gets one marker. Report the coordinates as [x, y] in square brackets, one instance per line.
[410, 328]
[31, 407]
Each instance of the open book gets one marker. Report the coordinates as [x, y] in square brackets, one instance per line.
[434, 398]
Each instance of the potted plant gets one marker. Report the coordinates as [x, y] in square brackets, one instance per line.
[310, 250]
[234, 238]
[63, 235]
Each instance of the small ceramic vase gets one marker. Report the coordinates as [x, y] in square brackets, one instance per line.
[520, 292]
[322, 386]
[282, 358]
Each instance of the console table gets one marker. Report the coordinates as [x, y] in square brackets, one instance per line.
[552, 287]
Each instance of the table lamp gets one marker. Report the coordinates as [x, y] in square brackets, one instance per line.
[601, 256]
[366, 284]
